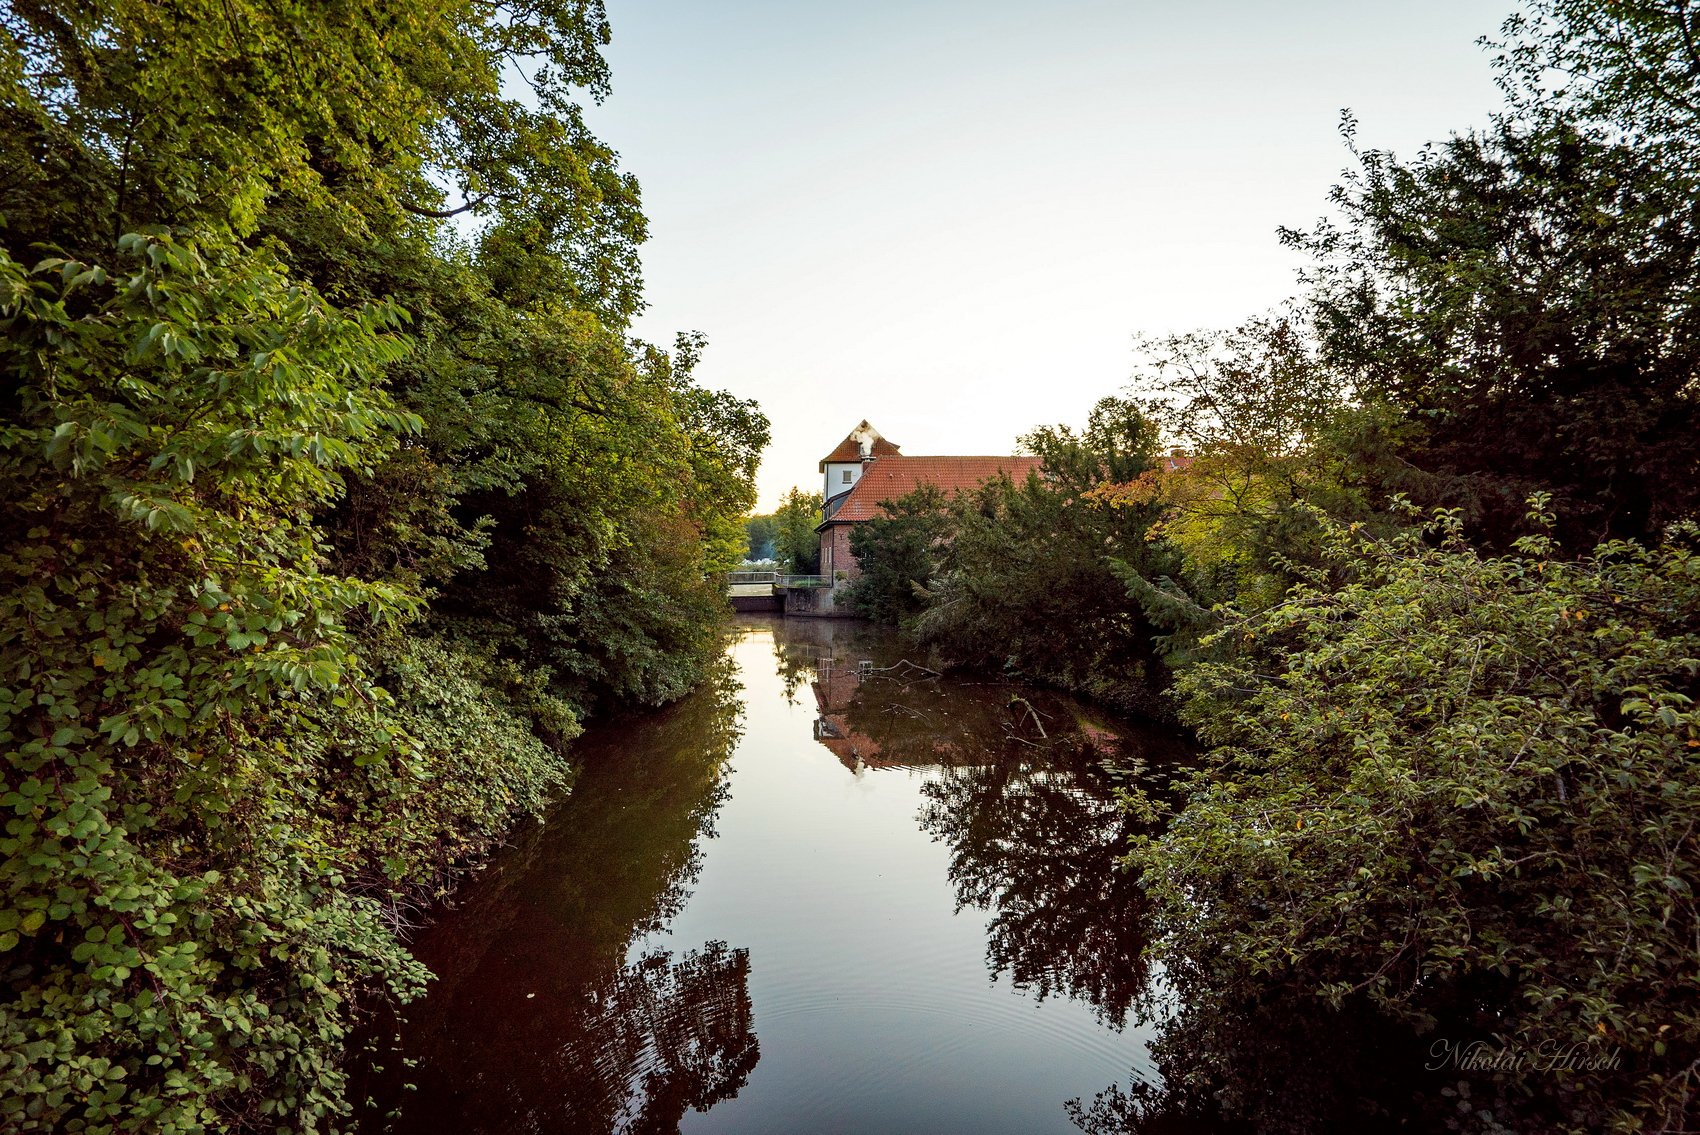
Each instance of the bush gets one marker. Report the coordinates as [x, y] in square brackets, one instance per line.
[1456, 794]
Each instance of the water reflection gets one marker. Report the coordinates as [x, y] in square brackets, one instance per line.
[540, 1019]
[1026, 801]
[1065, 919]
[892, 836]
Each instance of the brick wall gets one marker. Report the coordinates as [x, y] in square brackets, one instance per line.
[835, 552]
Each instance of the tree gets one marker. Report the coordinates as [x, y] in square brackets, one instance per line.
[898, 554]
[324, 524]
[1522, 296]
[1019, 562]
[326, 126]
[761, 534]
[184, 698]
[795, 543]
[1453, 796]
[1269, 434]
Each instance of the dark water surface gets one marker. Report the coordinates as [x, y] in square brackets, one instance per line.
[828, 892]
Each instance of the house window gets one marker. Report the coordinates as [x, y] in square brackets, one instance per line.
[846, 476]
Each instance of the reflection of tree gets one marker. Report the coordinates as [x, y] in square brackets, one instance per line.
[1034, 841]
[660, 1037]
[538, 1020]
[803, 647]
[1027, 805]
[704, 1055]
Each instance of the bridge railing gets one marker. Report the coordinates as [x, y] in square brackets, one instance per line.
[738, 577]
[804, 581]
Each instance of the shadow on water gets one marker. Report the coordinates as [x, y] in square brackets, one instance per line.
[556, 1008]
[539, 1020]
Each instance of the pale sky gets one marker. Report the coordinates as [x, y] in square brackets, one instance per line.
[952, 217]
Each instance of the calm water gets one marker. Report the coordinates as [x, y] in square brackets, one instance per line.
[829, 892]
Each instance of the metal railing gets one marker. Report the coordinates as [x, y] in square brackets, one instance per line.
[776, 579]
[804, 581]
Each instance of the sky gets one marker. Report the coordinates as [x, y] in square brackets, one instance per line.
[952, 218]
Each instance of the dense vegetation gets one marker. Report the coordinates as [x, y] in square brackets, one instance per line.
[1428, 593]
[325, 520]
[786, 536]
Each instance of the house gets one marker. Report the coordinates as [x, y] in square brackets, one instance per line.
[865, 469]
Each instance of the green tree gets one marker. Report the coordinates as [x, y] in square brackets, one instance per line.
[898, 554]
[1455, 795]
[1522, 296]
[795, 543]
[274, 470]
[1021, 562]
[761, 534]
[183, 700]
[330, 127]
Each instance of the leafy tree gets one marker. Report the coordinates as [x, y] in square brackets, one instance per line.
[329, 126]
[1021, 562]
[760, 536]
[278, 448]
[1268, 436]
[898, 554]
[180, 682]
[1522, 296]
[1454, 794]
[795, 543]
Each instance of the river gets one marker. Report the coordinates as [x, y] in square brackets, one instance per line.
[829, 892]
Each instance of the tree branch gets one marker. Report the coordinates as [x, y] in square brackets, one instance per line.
[444, 214]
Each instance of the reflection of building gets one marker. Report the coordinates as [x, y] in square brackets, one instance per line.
[835, 686]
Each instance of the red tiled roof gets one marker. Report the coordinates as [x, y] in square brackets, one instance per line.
[891, 477]
[849, 450]
[1174, 462]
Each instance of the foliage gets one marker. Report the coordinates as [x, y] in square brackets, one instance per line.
[601, 567]
[1455, 793]
[1021, 562]
[1446, 795]
[1523, 296]
[760, 533]
[795, 544]
[1267, 436]
[241, 505]
[344, 119]
[898, 553]
[181, 919]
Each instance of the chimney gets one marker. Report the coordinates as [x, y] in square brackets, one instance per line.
[865, 435]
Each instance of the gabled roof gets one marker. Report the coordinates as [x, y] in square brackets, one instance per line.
[891, 477]
[1174, 461]
[861, 442]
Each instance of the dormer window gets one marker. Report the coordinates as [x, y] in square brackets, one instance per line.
[846, 476]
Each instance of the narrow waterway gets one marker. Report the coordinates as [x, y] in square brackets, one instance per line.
[829, 892]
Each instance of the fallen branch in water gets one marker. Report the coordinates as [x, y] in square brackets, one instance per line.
[901, 664]
[1033, 713]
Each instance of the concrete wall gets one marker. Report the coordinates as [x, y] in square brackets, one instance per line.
[814, 602]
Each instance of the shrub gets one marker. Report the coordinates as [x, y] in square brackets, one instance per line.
[1456, 794]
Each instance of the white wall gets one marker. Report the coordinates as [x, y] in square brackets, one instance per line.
[835, 482]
